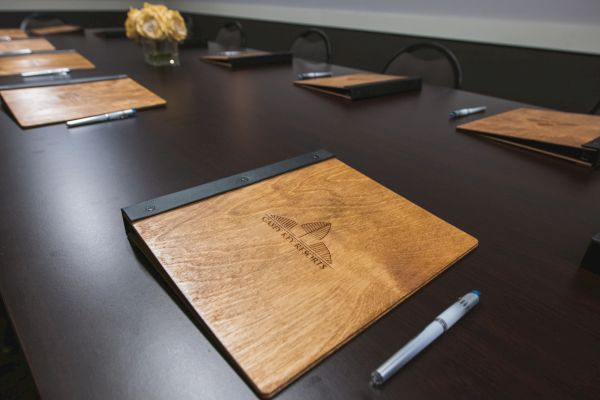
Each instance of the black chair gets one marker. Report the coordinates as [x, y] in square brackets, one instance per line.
[194, 37]
[596, 109]
[40, 20]
[231, 35]
[433, 62]
[312, 45]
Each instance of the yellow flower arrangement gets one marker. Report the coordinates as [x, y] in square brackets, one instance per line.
[156, 22]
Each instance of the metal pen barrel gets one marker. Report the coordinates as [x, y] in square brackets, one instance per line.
[407, 353]
[442, 323]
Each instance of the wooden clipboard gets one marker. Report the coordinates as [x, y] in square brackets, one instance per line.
[25, 44]
[12, 34]
[569, 136]
[17, 64]
[37, 106]
[247, 58]
[57, 29]
[286, 263]
[361, 86]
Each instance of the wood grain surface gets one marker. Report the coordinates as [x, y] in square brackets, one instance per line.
[285, 271]
[346, 81]
[14, 65]
[546, 126]
[31, 44]
[51, 104]
[13, 33]
[51, 30]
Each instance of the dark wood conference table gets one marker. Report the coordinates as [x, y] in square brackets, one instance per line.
[96, 322]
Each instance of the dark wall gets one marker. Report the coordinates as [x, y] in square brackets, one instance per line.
[554, 79]
[94, 19]
[560, 80]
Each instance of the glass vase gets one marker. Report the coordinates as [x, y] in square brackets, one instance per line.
[160, 53]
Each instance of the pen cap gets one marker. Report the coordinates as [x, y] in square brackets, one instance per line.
[457, 310]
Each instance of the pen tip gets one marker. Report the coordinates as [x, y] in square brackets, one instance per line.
[476, 293]
[376, 379]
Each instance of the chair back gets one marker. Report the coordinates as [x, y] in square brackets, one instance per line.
[39, 20]
[231, 35]
[434, 63]
[312, 45]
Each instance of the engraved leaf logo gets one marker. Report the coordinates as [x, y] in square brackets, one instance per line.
[288, 223]
[322, 251]
[314, 230]
[317, 230]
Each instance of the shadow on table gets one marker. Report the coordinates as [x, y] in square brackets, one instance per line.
[16, 382]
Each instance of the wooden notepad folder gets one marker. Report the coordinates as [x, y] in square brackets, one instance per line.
[17, 64]
[247, 58]
[57, 29]
[573, 137]
[35, 106]
[362, 86]
[10, 34]
[286, 263]
[25, 44]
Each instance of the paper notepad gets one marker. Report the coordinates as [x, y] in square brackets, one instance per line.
[51, 104]
[361, 86]
[570, 136]
[286, 263]
[17, 64]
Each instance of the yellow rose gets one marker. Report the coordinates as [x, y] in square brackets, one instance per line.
[130, 23]
[156, 22]
[176, 29]
[149, 25]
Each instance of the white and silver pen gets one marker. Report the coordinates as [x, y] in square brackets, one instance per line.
[102, 117]
[441, 324]
[15, 52]
[55, 71]
[466, 111]
[5, 38]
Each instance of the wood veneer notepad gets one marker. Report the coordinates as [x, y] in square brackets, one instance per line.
[361, 86]
[51, 104]
[26, 44]
[57, 29]
[17, 64]
[286, 270]
[13, 33]
[570, 136]
[247, 58]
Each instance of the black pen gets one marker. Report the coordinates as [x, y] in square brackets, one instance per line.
[466, 111]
